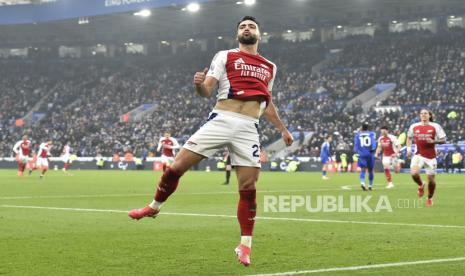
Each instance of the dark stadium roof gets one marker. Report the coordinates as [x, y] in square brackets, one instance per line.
[219, 18]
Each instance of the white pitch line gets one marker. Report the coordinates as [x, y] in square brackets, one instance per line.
[148, 194]
[231, 216]
[343, 188]
[70, 196]
[353, 268]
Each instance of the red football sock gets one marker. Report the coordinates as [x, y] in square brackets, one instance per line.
[44, 171]
[164, 167]
[246, 211]
[167, 185]
[431, 188]
[66, 166]
[417, 179]
[387, 173]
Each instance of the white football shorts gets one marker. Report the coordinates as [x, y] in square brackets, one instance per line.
[237, 132]
[390, 161]
[167, 159]
[42, 162]
[419, 161]
[66, 158]
[23, 158]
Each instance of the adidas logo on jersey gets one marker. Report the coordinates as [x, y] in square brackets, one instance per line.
[239, 61]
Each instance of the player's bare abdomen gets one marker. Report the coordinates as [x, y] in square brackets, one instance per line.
[249, 107]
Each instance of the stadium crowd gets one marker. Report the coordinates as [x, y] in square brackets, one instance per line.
[428, 70]
[82, 100]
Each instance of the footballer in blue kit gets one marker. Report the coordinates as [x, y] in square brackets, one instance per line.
[365, 146]
[325, 155]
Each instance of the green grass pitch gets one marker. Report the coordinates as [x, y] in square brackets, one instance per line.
[74, 235]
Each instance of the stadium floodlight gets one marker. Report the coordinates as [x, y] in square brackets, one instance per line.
[220, 37]
[289, 31]
[452, 16]
[239, 2]
[339, 26]
[394, 22]
[424, 19]
[265, 33]
[193, 7]
[249, 2]
[143, 13]
[369, 24]
[191, 40]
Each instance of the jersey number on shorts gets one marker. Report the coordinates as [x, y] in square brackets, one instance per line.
[365, 141]
[256, 150]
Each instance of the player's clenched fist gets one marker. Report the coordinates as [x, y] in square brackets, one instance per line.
[199, 77]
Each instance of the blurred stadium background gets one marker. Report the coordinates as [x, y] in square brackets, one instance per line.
[111, 76]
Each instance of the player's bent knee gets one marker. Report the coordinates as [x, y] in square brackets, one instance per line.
[247, 185]
[414, 171]
[185, 160]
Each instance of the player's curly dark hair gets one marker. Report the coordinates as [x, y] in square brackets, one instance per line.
[248, 17]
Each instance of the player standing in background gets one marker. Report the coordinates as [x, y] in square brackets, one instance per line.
[244, 80]
[65, 156]
[42, 157]
[426, 134]
[22, 150]
[365, 146]
[390, 146]
[228, 167]
[325, 155]
[167, 145]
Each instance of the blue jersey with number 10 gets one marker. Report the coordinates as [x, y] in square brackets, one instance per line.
[365, 143]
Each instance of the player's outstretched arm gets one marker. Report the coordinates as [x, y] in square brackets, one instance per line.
[204, 85]
[271, 114]
[438, 141]
[409, 147]
[175, 144]
[16, 147]
[378, 150]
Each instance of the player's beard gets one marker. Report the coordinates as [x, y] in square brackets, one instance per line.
[251, 39]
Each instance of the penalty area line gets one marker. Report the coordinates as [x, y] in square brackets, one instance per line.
[362, 267]
[231, 216]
